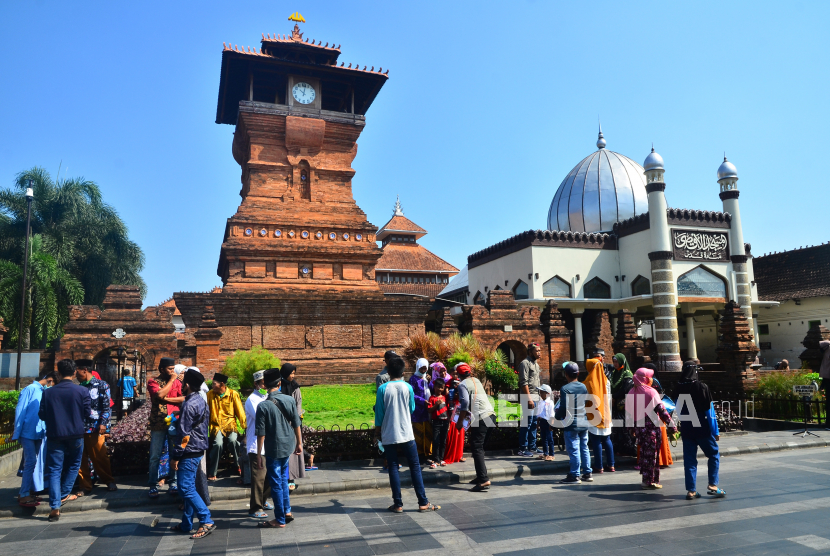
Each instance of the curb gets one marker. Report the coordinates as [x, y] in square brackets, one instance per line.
[500, 472]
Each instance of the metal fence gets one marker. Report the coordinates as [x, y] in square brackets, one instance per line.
[740, 405]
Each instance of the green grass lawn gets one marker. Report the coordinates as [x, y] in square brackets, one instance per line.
[351, 404]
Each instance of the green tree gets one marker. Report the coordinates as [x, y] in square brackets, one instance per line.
[50, 289]
[84, 235]
[243, 364]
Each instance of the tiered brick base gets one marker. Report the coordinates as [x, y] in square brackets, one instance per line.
[736, 351]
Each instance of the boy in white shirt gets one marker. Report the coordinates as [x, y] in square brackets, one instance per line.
[544, 416]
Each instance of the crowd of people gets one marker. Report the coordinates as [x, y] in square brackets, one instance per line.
[426, 419]
[63, 425]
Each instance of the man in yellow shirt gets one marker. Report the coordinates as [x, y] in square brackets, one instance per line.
[227, 415]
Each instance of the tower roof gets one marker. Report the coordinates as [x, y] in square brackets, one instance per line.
[400, 224]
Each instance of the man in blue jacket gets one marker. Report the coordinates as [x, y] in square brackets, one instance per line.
[187, 450]
[64, 408]
[29, 430]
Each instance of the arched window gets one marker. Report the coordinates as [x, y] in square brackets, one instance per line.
[520, 290]
[640, 286]
[305, 180]
[700, 282]
[478, 299]
[597, 289]
[556, 287]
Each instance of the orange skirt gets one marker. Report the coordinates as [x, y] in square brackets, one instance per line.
[663, 451]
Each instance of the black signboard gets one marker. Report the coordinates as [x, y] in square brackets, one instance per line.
[695, 245]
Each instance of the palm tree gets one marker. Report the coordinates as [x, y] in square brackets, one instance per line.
[84, 235]
[50, 290]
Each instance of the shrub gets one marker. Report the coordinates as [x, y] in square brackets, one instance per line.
[779, 384]
[8, 403]
[243, 364]
[500, 376]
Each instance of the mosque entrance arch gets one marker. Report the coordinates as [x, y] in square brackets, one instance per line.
[514, 351]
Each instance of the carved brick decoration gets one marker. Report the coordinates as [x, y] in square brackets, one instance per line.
[343, 336]
[236, 337]
[313, 336]
[813, 354]
[559, 341]
[626, 340]
[736, 351]
[388, 335]
[601, 336]
[208, 339]
[283, 337]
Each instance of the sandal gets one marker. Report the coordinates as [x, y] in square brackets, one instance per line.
[289, 518]
[312, 468]
[443, 463]
[429, 508]
[54, 515]
[268, 506]
[480, 487]
[112, 487]
[433, 465]
[395, 509]
[69, 498]
[269, 525]
[173, 489]
[717, 493]
[692, 495]
[203, 531]
[463, 459]
[30, 503]
[212, 479]
[259, 514]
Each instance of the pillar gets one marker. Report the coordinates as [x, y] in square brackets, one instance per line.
[728, 181]
[664, 298]
[208, 337]
[580, 346]
[691, 346]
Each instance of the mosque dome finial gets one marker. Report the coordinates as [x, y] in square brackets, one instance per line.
[600, 139]
[398, 208]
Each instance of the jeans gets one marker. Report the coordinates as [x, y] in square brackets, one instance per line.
[410, 452]
[527, 435]
[193, 503]
[63, 459]
[156, 448]
[31, 448]
[598, 443]
[217, 446]
[478, 436]
[576, 444]
[278, 477]
[709, 446]
[547, 437]
[439, 439]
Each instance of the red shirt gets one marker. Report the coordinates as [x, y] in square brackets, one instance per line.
[160, 409]
[437, 407]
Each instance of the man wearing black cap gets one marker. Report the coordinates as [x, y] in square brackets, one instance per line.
[226, 410]
[278, 437]
[96, 427]
[166, 396]
[186, 451]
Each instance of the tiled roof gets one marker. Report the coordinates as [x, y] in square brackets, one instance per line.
[797, 274]
[554, 238]
[402, 224]
[171, 303]
[258, 52]
[428, 290]
[277, 38]
[400, 257]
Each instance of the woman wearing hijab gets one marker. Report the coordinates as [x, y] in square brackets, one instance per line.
[598, 412]
[621, 381]
[694, 398]
[454, 450]
[421, 421]
[438, 370]
[664, 458]
[643, 403]
[290, 387]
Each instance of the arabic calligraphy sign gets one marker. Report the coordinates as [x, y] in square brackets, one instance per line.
[694, 245]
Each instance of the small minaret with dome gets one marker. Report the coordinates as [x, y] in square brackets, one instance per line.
[662, 274]
[728, 181]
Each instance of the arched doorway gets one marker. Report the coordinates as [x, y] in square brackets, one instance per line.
[111, 364]
[514, 351]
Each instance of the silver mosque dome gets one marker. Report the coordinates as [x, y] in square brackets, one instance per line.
[606, 187]
[653, 161]
[727, 170]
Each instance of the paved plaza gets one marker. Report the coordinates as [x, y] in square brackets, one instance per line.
[778, 503]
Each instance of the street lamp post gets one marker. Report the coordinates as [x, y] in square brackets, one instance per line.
[29, 196]
[120, 384]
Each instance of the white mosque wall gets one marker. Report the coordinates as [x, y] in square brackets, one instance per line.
[511, 268]
[787, 324]
[633, 254]
[568, 262]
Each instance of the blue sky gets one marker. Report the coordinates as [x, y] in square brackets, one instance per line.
[488, 106]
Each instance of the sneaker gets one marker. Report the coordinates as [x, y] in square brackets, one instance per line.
[570, 480]
[588, 478]
[526, 454]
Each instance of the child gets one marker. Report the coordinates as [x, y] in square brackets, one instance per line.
[544, 416]
[438, 410]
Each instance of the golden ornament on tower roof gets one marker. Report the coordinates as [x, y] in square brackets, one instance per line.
[296, 16]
